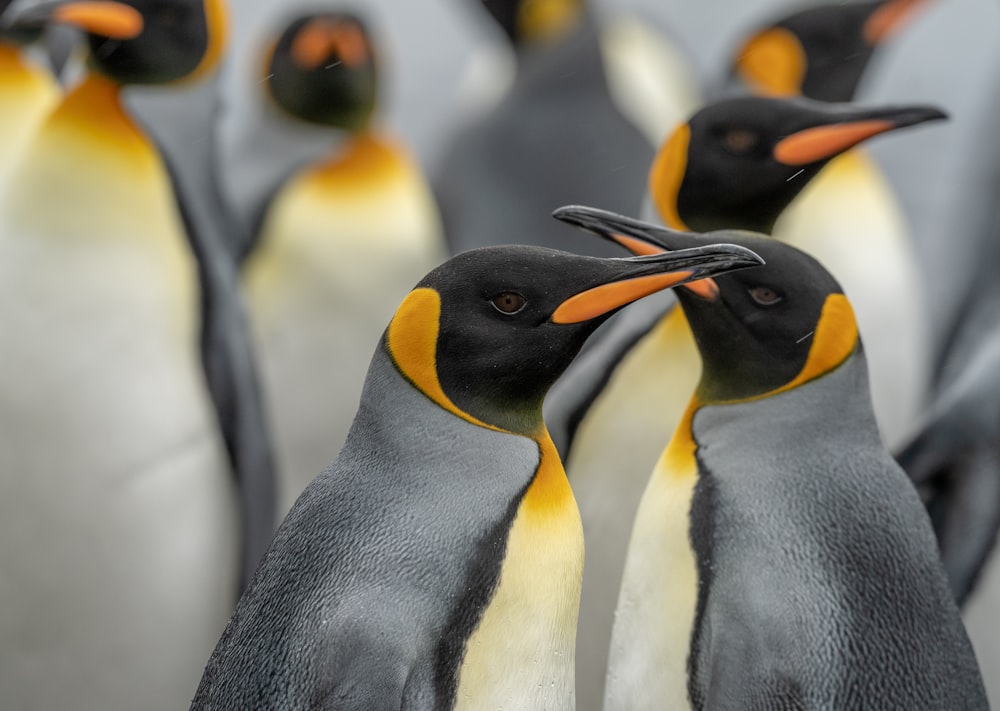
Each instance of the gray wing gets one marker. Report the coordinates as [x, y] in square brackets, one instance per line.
[181, 120]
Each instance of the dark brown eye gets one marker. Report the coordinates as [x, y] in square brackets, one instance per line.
[508, 302]
[765, 296]
[740, 140]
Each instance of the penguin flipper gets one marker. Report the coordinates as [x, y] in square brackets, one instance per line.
[955, 463]
[230, 367]
[585, 379]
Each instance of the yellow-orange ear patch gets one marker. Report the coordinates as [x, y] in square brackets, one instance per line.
[821, 142]
[773, 63]
[835, 339]
[412, 339]
[217, 21]
[667, 174]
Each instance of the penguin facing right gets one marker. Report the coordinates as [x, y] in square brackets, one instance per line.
[820, 52]
[336, 245]
[737, 163]
[436, 563]
[780, 557]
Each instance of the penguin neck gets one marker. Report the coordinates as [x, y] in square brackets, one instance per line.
[366, 159]
[95, 107]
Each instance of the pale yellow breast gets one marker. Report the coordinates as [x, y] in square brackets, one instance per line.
[343, 243]
[650, 642]
[521, 655]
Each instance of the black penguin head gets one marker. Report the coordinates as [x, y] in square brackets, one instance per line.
[738, 163]
[323, 70]
[143, 41]
[820, 52]
[528, 22]
[488, 332]
[758, 331]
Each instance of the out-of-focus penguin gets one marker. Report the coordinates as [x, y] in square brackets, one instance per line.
[436, 563]
[820, 52]
[560, 133]
[736, 163]
[122, 421]
[337, 245]
[28, 91]
[780, 557]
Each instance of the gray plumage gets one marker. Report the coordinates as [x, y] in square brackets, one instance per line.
[358, 601]
[820, 583]
[555, 139]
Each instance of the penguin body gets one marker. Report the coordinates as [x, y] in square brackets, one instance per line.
[338, 246]
[436, 562]
[780, 558]
[720, 170]
[115, 464]
[504, 174]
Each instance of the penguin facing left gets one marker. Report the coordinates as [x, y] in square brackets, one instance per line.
[337, 245]
[120, 521]
[780, 557]
[436, 563]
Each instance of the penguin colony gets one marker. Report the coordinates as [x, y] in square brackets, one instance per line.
[284, 427]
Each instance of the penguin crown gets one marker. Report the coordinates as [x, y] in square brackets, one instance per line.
[490, 330]
[758, 330]
[142, 41]
[323, 70]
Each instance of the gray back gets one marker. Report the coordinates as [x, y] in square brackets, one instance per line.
[821, 582]
[383, 566]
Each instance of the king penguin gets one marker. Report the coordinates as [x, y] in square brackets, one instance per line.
[780, 557]
[820, 52]
[28, 91]
[436, 562]
[563, 131]
[120, 519]
[337, 245]
[736, 164]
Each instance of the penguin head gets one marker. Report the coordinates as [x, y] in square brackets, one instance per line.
[820, 52]
[487, 333]
[142, 41]
[323, 70]
[533, 22]
[759, 331]
[738, 163]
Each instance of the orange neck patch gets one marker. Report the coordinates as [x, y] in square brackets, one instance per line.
[217, 22]
[667, 174]
[365, 161]
[773, 63]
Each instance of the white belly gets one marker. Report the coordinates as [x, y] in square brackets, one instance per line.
[118, 531]
[325, 280]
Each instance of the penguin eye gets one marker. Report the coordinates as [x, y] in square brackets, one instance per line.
[766, 296]
[740, 140]
[508, 302]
